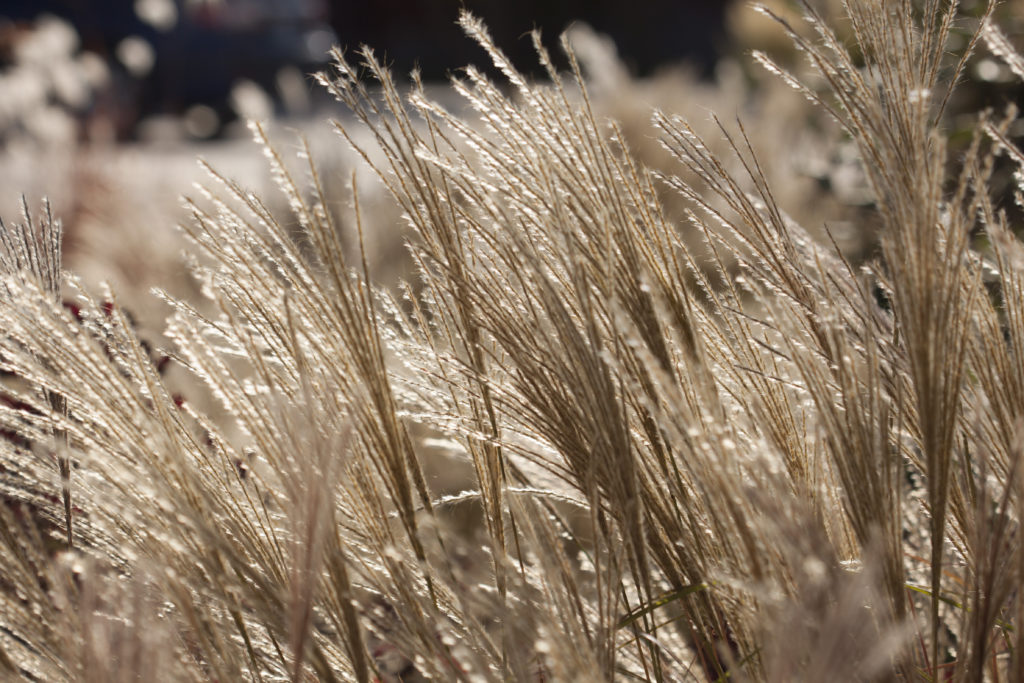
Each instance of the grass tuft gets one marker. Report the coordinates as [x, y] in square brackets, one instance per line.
[699, 444]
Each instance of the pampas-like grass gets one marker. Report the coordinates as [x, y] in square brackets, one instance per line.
[768, 464]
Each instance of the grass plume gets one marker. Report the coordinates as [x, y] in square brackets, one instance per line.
[703, 449]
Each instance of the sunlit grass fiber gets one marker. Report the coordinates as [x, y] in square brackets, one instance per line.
[707, 449]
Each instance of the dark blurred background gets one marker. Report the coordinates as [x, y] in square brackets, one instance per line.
[177, 57]
[648, 33]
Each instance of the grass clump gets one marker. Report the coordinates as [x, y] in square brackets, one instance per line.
[769, 463]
